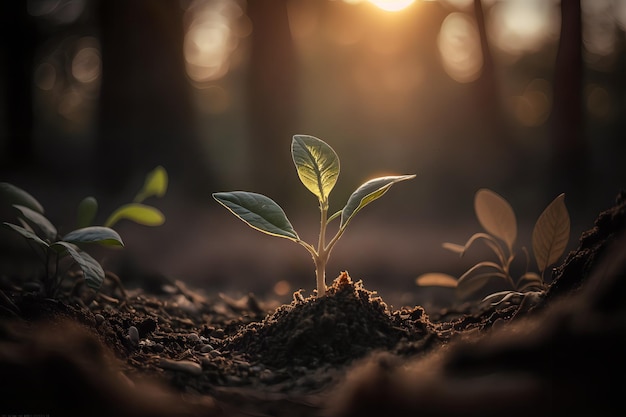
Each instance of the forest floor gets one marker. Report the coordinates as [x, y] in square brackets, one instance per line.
[173, 350]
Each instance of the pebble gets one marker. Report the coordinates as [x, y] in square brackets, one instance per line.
[99, 318]
[193, 337]
[215, 353]
[206, 348]
[133, 335]
[189, 367]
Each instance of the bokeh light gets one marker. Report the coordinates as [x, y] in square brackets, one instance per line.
[212, 36]
[459, 47]
[523, 26]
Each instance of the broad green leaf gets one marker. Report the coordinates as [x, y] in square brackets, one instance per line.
[87, 210]
[317, 164]
[139, 213]
[496, 216]
[92, 270]
[39, 220]
[27, 234]
[366, 193]
[155, 184]
[93, 234]
[551, 233]
[259, 212]
[436, 279]
[15, 195]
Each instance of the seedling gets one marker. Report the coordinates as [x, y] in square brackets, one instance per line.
[317, 165]
[496, 216]
[54, 249]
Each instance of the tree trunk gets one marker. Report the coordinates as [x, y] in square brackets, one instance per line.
[272, 95]
[146, 114]
[569, 150]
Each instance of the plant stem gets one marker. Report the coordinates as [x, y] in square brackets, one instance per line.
[322, 254]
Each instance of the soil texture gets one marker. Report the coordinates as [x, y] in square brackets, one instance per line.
[170, 350]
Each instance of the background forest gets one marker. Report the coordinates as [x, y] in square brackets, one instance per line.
[525, 97]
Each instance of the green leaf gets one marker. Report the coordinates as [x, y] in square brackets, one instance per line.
[93, 234]
[92, 271]
[496, 216]
[15, 195]
[436, 279]
[366, 193]
[317, 165]
[39, 220]
[155, 184]
[87, 210]
[27, 234]
[139, 213]
[551, 233]
[259, 212]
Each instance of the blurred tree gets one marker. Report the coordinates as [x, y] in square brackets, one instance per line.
[19, 39]
[272, 100]
[486, 84]
[146, 113]
[569, 150]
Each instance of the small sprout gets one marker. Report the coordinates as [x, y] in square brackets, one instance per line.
[496, 216]
[317, 166]
[37, 229]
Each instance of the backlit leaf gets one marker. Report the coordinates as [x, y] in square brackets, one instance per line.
[496, 216]
[92, 270]
[155, 184]
[368, 192]
[317, 164]
[436, 279]
[259, 212]
[87, 210]
[551, 233]
[14, 195]
[94, 234]
[39, 220]
[139, 213]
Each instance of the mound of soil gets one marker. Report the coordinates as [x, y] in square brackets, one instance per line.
[173, 350]
[346, 324]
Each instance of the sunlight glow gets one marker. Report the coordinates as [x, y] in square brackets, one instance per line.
[392, 5]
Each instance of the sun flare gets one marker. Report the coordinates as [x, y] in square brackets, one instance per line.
[392, 5]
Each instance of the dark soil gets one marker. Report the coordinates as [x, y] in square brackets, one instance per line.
[173, 350]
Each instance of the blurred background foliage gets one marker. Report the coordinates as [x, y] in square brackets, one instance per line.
[526, 97]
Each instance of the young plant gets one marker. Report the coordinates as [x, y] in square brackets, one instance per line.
[317, 165]
[496, 216]
[155, 184]
[54, 248]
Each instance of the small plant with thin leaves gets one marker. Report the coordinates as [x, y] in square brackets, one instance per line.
[317, 165]
[54, 249]
[549, 240]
